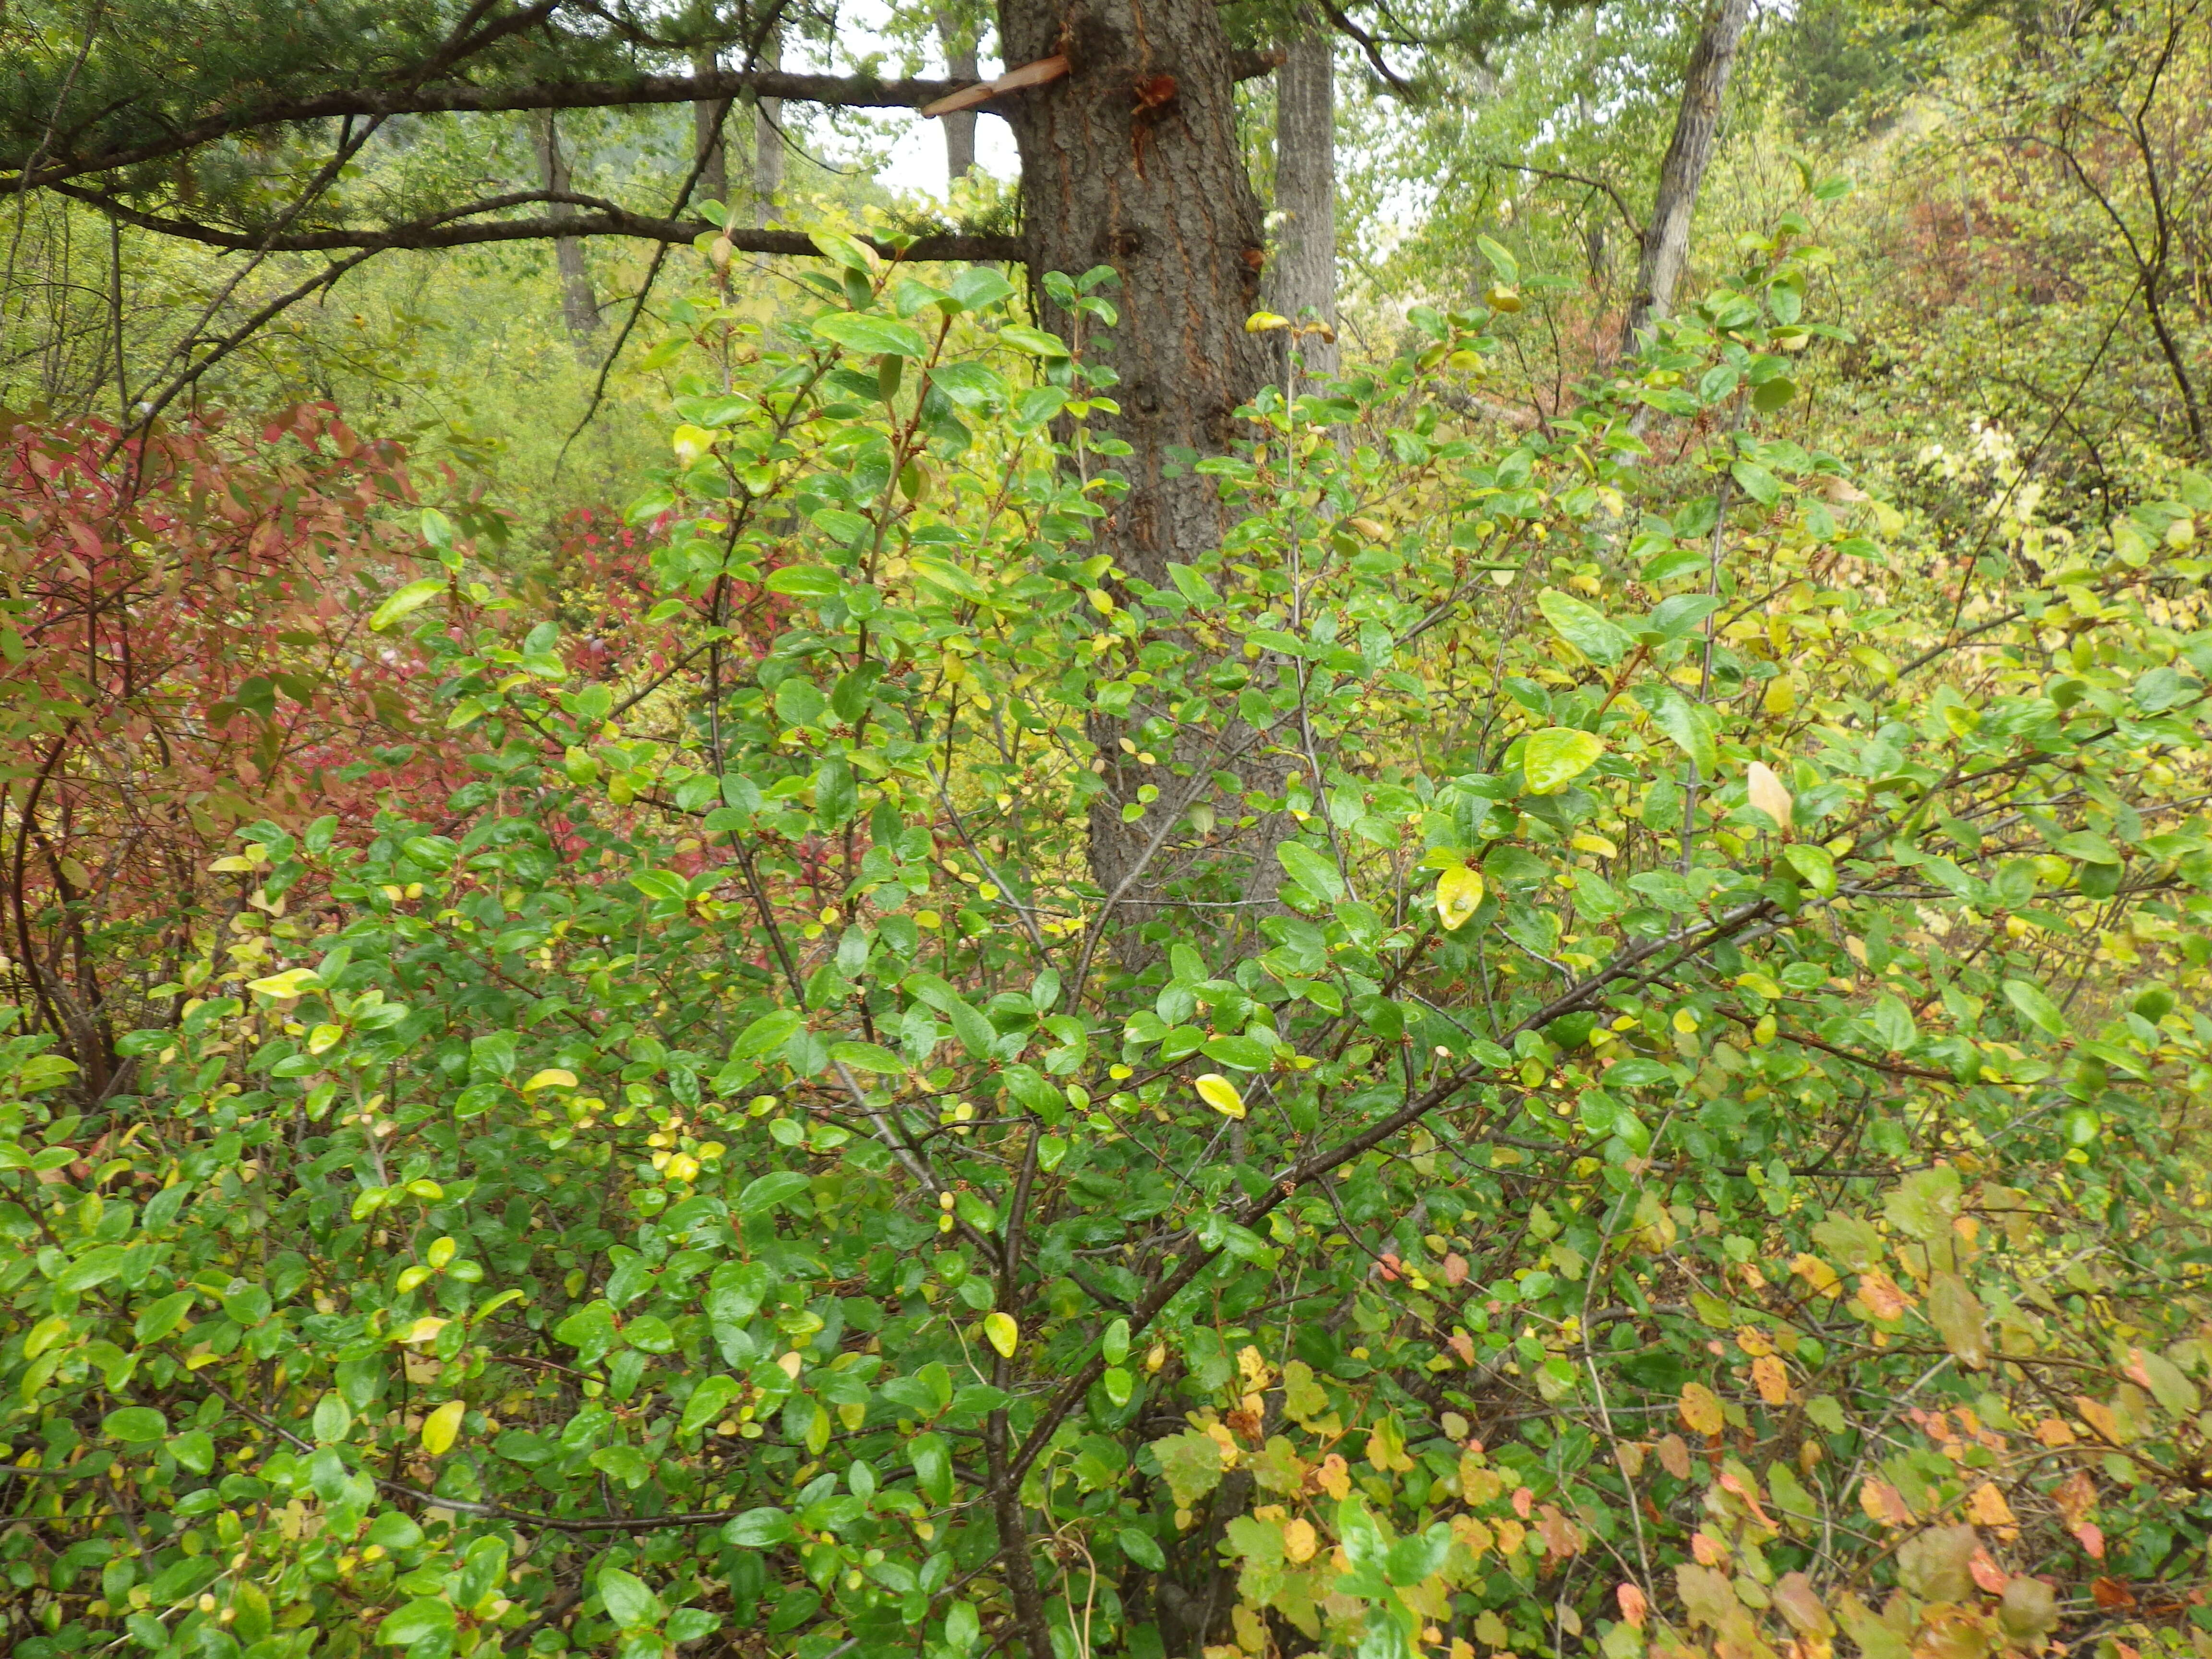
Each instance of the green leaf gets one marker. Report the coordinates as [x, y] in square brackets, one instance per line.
[95, 1267]
[876, 337]
[759, 1529]
[1596, 636]
[430, 1616]
[161, 1318]
[1191, 1462]
[1925, 1203]
[1555, 756]
[708, 1401]
[767, 1034]
[1814, 865]
[628, 1602]
[1507, 267]
[1773, 394]
[1035, 341]
[1312, 871]
[625, 1463]
[764, 1192]
[1141, 1548]
[932, 1467]
[135, 1425]
[1757, 482]
[1245, 1054]
[2035, 1006]
[1957, 1318]
[869, 1057]
[409, 600]
[194, 1450]
[1893, 1020]
[980, 286]
[806, 581]
[1691, 725]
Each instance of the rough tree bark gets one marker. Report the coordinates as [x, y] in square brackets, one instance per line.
[1666, 241]
[960, 66]
[1302, 277]
[580, 308]
[709, 142]
[1133, 160]
[767, 136]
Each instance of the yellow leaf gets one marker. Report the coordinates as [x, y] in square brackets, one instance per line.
[1002, 1333]
[1219, 1092]
[1588, 842]
[439, 1427]
[1459, 895]
[1262, 322]
[1701, 1409]
[1768, 794]
[424, 1329]
[1816, 1274]
[555, 1078]
[292, 983]
[1299, 1542]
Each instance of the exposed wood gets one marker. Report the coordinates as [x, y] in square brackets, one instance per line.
[1045, 70]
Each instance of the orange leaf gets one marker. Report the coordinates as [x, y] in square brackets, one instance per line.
[1990, 1507]
[2091, 1537]
[1633, 1607]
[2111, 1593]
[1773, 1380]
[1884, 1503]
[1987, 1573]
[2099, 1416]
[1883, 1299]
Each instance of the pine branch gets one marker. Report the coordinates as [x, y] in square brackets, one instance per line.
[456, 98]
[457, 227]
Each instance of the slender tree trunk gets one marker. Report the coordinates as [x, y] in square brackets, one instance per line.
[580, 308]
[1133, 160]
[767, 137]
[1303, 274]
[960, 65]
[1667, 242]
[710, 140]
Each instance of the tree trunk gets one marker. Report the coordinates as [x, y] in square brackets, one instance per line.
[767, 137]
[1133, 160]
[1667, 242]
[580, 309]
[1303, 274]
[710, 140]
[960, 66]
